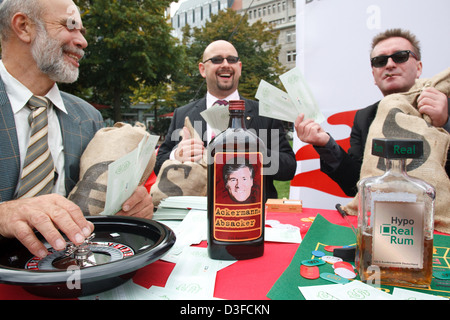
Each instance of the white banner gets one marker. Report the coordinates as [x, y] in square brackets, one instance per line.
[333, 47]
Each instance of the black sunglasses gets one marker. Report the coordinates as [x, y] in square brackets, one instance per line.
[219, 59]
[398, 57]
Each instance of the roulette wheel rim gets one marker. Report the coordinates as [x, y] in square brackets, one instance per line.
[149, 240]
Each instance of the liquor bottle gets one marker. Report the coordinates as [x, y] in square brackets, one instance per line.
[396, 219]
[236, 191]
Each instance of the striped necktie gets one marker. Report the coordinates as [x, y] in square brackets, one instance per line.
[221, 102]
[38, 170]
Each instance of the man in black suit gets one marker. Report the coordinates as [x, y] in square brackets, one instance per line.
[221, 67]
[396, 64]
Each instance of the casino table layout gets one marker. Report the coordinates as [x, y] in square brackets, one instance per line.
[266, 277]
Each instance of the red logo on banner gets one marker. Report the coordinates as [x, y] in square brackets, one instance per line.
[316, 179]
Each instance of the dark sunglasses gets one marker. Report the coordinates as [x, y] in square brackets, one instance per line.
[398, 57]
[219, 60]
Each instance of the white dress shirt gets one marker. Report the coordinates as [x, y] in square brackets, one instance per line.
[18, 96]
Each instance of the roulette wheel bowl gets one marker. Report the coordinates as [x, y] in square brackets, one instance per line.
[123, 245]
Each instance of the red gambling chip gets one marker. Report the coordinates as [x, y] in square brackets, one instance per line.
[344, 265]
[331, 248]
[308, 272]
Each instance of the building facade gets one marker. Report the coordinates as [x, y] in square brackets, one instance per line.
[281, 13]
[195, 13]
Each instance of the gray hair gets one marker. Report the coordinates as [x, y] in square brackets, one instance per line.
[8, 8]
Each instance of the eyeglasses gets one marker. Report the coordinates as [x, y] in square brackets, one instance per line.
[219, 59]
[398, 57]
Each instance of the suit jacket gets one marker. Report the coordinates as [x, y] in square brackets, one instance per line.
[280, 149]
[78, 127]
[347, 174]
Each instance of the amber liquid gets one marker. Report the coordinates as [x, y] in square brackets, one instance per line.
[235, 140]
[397, 276]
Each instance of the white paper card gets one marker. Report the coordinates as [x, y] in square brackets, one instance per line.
[125, 173]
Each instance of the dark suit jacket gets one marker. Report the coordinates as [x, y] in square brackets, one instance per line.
[347, 174]
[287, 162]
[78, 127]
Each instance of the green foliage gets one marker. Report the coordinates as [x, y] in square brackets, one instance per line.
[132, 56]
[129, 43]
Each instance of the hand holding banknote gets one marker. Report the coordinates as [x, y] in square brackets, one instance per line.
[139, 205]
[310, 131]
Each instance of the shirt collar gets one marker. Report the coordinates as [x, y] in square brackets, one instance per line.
[210, 99]
[19, 95]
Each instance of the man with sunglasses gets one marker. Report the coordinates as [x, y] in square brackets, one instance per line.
[396, 64]
[221, 67]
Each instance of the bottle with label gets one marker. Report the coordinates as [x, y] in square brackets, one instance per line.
[396, 219]
[236, 191]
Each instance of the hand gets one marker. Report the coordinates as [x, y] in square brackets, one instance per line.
[435, 104]
[46, 214]
[140, 204]
[311, 132]
[189, 149]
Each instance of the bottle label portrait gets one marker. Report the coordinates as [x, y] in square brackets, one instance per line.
[238, 198]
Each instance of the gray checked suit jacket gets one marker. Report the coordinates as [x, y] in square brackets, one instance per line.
[78, 127]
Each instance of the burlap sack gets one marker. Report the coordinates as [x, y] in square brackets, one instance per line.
[181, 179]
[398, 117]
[108, 145]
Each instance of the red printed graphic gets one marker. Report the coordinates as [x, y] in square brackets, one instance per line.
[316, 179]
[238, 206]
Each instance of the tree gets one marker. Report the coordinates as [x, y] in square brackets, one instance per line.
[129, 43]
[255, 45]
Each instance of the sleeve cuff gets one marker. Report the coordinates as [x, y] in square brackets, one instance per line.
[331, 154]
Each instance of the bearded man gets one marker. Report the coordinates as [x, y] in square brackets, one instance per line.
[44, 131]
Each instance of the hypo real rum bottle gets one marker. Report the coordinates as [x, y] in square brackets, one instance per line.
[236, 191]
[396, 219]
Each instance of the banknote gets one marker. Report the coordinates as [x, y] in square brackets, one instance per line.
[125, 173]
[275, 103]
[301, 95]
[217, 116]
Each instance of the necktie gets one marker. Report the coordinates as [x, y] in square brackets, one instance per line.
[222, 102]
[38, 170]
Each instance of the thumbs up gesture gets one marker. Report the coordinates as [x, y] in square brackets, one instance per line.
[190, 148]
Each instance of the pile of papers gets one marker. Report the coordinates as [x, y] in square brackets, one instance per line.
[176, 208]
[357, 290]
[194, 274]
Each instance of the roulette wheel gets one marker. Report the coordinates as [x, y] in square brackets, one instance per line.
[118, 248]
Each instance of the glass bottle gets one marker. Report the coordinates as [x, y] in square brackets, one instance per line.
[396, 219]
[236, 191]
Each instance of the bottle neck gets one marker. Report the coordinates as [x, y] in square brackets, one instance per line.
[396, 166]
[236, 119]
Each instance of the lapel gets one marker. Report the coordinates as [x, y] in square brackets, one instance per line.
[196, 118]
[9, 148]
[70, 124]
[250, 112]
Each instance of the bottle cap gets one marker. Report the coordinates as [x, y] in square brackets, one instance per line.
[397, 148]
[236, 105]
